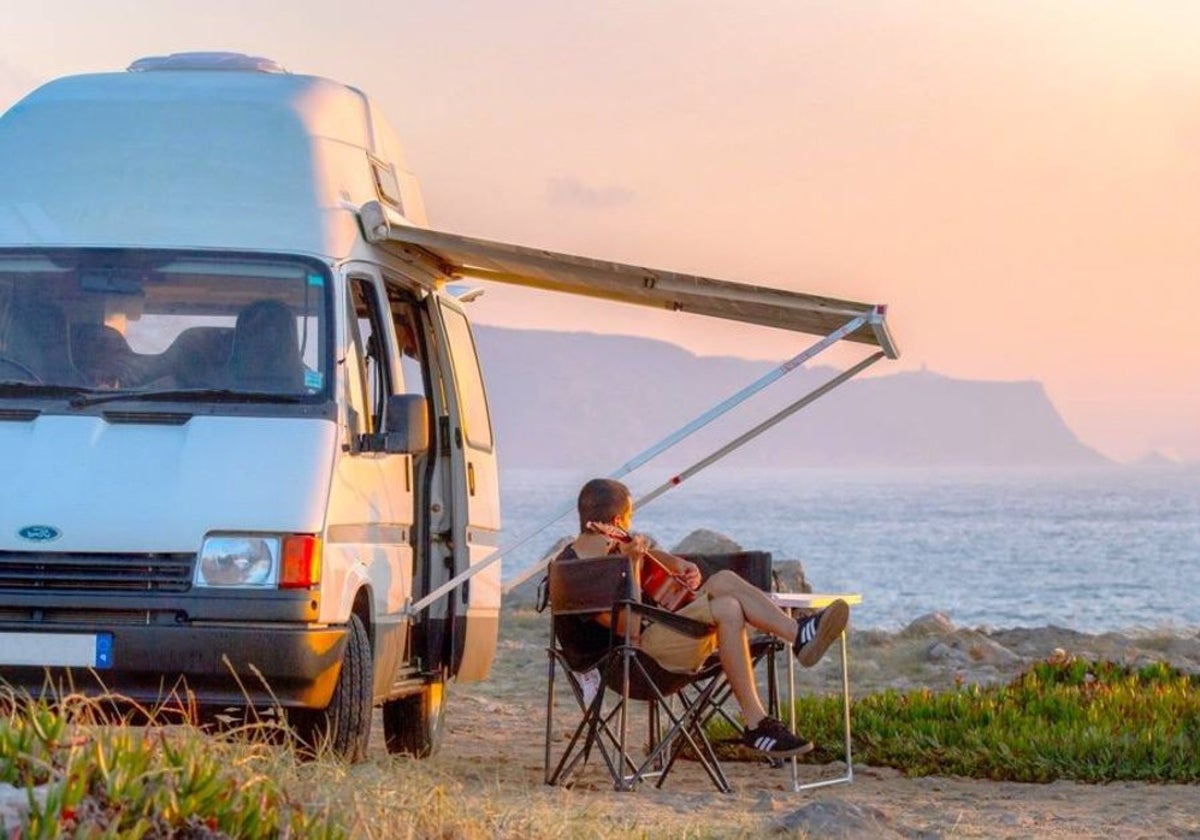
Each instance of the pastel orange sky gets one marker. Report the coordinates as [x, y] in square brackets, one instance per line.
[1019, 181]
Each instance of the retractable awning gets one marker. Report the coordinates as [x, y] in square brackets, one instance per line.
[453, 256]
[441, 256]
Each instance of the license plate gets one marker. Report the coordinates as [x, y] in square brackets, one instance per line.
[66, 650]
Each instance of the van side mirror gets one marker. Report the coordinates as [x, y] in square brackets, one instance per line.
[406, 429]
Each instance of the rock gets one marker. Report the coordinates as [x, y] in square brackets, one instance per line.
[789, 576]
[834, 818]
[871, 638]
[930, 624]
[984, 675]
[987, 652]
[704, 541]
[1183, 650]
[866, 666]
[1144, 660]
[981, 657]
[1028, 648]
[944, 653]
[525, 595]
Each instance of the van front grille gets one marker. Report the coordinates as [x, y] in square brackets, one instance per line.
[32, 571]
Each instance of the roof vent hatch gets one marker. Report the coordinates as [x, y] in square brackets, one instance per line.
[228, 61]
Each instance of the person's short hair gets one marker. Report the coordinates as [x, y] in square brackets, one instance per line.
[601, 500]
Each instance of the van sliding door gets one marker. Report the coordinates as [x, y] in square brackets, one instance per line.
[476, 507]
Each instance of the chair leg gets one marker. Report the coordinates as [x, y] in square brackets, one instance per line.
[685, 725]
[772, 685]
[549, 716]
[655, 727]
[576, 753]
[690, 726]
[589, 728]
[716, 706]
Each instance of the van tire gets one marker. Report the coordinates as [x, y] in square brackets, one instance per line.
[344, 727]
[413, 725]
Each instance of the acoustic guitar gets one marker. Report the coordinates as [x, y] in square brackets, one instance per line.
[659, 584]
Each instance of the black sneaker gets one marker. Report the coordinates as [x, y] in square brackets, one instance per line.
[818, 631]
[772, 738]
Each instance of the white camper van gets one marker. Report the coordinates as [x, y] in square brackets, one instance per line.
[236, 438]
[247, 455]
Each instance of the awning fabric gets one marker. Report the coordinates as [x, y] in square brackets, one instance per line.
[454, 256]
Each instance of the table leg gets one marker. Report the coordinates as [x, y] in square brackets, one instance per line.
[848, 776]
[791, 669]
[846, 706]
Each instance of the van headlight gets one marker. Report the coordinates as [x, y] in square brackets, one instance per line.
[246, 561]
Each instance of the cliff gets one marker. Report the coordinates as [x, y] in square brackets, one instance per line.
[595, 399]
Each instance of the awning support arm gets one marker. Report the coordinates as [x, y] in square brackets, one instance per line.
[774, 419]
[740, 397]
[640, 460]
[675, 480]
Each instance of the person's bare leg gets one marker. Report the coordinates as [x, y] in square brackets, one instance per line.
[734, 652]
[760, 611]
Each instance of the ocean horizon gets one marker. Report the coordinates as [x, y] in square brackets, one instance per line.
[1096, 550]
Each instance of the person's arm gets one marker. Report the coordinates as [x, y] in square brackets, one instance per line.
[685, 570]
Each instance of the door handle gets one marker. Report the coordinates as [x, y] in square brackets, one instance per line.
[470, 478]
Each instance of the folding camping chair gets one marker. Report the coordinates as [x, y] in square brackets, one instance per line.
[577, 588]
[581, 587]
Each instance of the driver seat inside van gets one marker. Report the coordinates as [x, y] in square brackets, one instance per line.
[266, 352]
[37, 342]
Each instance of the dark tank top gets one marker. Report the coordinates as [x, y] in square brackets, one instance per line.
[584, 641]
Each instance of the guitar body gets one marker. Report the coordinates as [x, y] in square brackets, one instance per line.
[663, 588]
[659, 585]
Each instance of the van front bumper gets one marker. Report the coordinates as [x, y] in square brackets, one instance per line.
[198, 664]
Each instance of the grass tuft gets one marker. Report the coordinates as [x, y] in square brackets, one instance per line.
[85, 777]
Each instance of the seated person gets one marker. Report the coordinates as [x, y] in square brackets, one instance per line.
[34, 343]
[725, 600]
[265, 355]
[102, 356]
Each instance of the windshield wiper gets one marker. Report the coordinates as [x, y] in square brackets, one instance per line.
[82, 400]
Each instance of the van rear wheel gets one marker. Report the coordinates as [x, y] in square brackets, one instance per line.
[344, 727]
[413, 725]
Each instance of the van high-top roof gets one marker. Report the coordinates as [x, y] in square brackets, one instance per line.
[198, 150]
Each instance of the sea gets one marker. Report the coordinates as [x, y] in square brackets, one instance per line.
[1095, 550]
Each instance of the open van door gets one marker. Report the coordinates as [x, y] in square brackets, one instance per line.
[475, 494]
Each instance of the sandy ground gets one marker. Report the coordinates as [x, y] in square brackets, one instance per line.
[495, 737]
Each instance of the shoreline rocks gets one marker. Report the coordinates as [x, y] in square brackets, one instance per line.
[931, 652]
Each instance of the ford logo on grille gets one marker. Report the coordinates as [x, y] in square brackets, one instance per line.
[39, 533]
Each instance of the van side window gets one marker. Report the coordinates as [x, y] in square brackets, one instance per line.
[371, 338]
[474, 408]
[407, 323]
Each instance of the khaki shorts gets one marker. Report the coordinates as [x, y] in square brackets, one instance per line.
[677, 651]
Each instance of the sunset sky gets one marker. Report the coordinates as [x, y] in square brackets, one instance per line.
[1019, 181]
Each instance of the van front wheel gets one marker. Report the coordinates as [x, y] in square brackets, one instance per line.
[344, 727]
[413, 725]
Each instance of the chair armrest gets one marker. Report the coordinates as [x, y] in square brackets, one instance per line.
[683, 624]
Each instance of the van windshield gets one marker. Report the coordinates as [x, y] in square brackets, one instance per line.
[147, 321]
